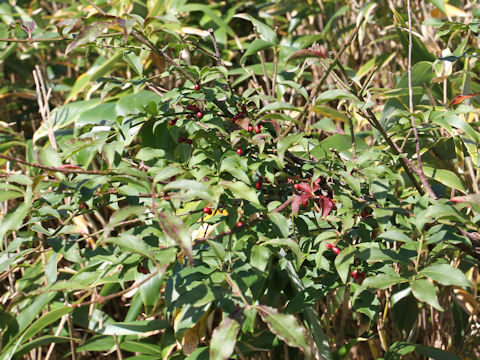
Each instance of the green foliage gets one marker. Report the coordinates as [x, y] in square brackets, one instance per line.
[188, 180]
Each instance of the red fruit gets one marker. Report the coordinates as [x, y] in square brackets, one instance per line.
[296, 186]
[189, 116]
[199, 114]
[244, 108]
[190, 107]
[180, 140]
[239, 151]
[256, 129]
[196, 87]
[328, 245]
[250, 128]
[373, 234]
[355, 274]
[239, 224]
[258, 185]
[207, 210]
[189, 141]
[172, 122]
[304, 204]
[336, 250]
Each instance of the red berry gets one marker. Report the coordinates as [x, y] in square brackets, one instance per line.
[172, 122]
[207, 210]
[256, 129]
[239, 151]
[190, 107]
[244, 108]
[304, 204]
[189, 116]
[199, 114]
[180, 140]
[258, 185]
[196, 87]
[250, 128]
[328, 245]
[239, 224]
[355, 274]
[189, 141]
[296, 186]
[336, 250]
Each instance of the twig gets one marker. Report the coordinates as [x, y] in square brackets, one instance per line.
[215, 46]
[263, 61]
[57, 333]
[52, 168]
[70, 331]
[96, 7]
[117, 348]
[102, 299]
[420, 172]
[43, 105]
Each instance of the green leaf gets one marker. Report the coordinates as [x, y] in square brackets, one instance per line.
[425, 291]
[45, 320]
[281, 223]
[394, 235]
[134, 61]
[150, 290]
[87, 34]
[439, 4]
[285, 143]
[133, 327]
[383, 281]
[237, 167]
[191, 186]
[210, 13]
[13, 220]
[446, 275]
[49, 157]
[223, 340]
[330, 95]
[101, 67]
[265, 32]
[286, 327]
[175, 229]
[241, 190]
[343, 262]
[277, 106]
[254, 47]
[289, 243]
[121, 215]
[260, 257]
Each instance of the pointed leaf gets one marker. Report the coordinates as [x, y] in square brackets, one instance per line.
[223, 340]
[175, 229]
[446, 275]
[425, 291]
[286, 327]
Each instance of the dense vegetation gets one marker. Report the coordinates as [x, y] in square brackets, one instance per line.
[244, 180]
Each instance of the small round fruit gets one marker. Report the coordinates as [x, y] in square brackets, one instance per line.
[189, 141]
[239, 224]
[256, 129]
[336, 250]
[355, 274]
[329, 246]
[296, 186]
[207, 210]
[180, 140]
[258, 185]
[250, 128]
[172, 122]
[196, 86]
[199, 114]
[189, 116]
[239, 151]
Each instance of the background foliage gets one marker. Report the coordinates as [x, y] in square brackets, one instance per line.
[247, 180]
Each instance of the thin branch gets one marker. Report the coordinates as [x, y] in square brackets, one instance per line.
[102, 299]
[419, 171]
[52, 168]
[215, 46]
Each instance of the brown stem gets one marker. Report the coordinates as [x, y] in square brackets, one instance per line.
[215, 46]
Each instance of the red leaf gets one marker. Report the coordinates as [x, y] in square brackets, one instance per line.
[306, 188]
[460, 98]
[326, 204]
